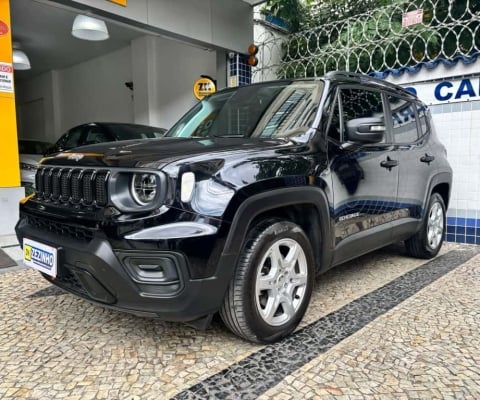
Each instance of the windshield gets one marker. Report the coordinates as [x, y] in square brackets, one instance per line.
[274, 109]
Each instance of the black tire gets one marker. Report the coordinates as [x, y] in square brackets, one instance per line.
[426, 243]
[269, 314]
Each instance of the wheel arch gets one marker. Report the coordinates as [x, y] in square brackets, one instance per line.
[305, 206]
[443, 189]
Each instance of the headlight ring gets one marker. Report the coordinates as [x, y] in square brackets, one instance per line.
[134, 190]
[144, 188]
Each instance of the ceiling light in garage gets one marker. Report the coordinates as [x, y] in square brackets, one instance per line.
[20, 59]
[89, 28]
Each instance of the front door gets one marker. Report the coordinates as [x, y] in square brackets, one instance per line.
[364, 177]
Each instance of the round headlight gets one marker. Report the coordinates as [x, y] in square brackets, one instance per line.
[144, 188]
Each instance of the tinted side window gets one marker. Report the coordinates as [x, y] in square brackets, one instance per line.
[404, 122]
[422, 112]
[361, 103]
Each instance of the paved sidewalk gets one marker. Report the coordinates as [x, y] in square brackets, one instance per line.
[426, 348]
[385, 326]
[10, 252]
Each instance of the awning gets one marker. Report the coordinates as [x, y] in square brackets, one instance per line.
[448, 62]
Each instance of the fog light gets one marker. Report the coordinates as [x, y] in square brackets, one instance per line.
[152, 270]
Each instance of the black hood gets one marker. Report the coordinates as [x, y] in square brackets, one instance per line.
[162, 151]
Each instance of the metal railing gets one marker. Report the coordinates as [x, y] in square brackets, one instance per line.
[374, 41]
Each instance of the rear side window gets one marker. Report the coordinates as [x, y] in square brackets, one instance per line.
[422, 112]
[404, 123]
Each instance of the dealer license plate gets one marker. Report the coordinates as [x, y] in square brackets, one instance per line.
[40, 256]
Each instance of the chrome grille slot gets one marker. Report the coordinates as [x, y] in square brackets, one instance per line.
[47, 187]
[87, 186]
[73, 185]
[65, 185]
[55, 183]
[101, 188]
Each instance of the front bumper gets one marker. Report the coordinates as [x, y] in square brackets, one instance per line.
[144, 278]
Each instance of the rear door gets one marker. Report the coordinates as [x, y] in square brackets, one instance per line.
[410, 131]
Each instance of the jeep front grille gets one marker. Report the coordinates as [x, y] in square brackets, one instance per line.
[72, 185]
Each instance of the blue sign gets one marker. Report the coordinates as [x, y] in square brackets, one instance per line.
[451, 90]
[445, 91]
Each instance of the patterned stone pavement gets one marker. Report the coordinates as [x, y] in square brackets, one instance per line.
[383, 326]
[426, 348]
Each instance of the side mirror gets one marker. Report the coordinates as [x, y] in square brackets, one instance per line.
[366, 130]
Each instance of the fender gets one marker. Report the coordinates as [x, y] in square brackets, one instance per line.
[406, 227]
[437, 179]
[278, 198]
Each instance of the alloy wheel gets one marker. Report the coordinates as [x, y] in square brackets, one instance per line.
[281, 282]
[435, 225]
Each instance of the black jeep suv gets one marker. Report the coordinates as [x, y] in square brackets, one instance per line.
[251, 194]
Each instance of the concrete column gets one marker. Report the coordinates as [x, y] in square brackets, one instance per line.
[221, 69]
[56, 125]
[144, 74]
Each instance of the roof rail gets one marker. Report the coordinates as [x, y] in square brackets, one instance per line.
[365, 78]
[344, 74]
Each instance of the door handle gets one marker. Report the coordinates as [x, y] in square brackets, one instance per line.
[389, 163]
[427, 158]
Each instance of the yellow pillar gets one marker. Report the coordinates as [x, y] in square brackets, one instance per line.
[9, 163]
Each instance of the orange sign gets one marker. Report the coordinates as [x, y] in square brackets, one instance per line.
[9, 164]
[5, 44]
[5, 32]
[203, 87]
[119, 2]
